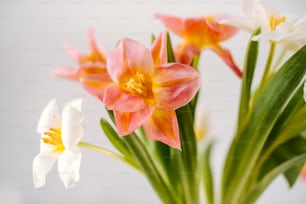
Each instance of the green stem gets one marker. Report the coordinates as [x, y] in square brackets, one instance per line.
[109, 153]
[267, 72]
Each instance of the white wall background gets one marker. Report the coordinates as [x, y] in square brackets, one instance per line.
[32, 35]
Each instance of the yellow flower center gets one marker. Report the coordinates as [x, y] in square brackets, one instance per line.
[136, 85]
[54, 137]
[275, 21]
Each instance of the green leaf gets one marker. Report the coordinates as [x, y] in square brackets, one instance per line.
[247, 77]
[283, 153]
[114, 138]
[259, 187]
[188, 156]
[170, 52]
[248, 143]
[140, 153]
[207, 176]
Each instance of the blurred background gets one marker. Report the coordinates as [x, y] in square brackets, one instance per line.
[32, 35]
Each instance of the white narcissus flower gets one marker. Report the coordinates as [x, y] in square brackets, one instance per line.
[290, 34]
[256, 14]
[60, 135]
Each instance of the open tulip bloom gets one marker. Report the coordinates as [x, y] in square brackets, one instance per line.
[151, 96]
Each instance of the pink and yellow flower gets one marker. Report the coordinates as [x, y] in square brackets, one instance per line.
[91, 69]
[146, 89]
[200, 33]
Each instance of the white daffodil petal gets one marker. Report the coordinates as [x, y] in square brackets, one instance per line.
[72, 126]
[50, 117]
[42, 164]
[69, 166]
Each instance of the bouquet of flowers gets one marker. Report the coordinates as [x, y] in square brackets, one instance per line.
[151, 95]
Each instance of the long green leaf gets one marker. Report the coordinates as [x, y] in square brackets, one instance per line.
[114, 138]
[272, 100]
[257, 189]
[207, 175]
[247, 78]
[245, 95]
[163, 190]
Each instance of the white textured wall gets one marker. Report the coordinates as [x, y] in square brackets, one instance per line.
[32, 35]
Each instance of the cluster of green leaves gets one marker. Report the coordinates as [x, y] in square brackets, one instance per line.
[268, 141]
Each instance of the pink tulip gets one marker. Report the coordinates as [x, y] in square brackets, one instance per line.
[146, 89]
[200, 33]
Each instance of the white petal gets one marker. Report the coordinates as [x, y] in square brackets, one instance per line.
[42, 164]
[72, 126]
[50, 117]
[69, 166]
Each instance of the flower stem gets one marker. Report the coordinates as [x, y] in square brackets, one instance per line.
[267, 72]
[109, 153]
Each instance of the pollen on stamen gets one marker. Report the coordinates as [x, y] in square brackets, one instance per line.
[136, 85]
[54, 138]
[275, 21]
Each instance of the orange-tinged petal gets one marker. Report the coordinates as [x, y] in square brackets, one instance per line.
[129, 58]
[117, 99]
[66, 72]
[96, 84]
[162, 126]
[127, 122]
[185, 53]
[77, 73]
[227, 58]
[174, 23]
[175, 85]
[159, 49]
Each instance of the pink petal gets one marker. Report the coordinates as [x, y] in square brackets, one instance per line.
[159, 49]
[73, 53]
[65, 72]
[127, 122]
[96, 84]
[173, 23]
[227, 58]
[221, 31]
[99, 54]
[175, 85]
[127, 59]
[185, 53]
[162, 126]
[117, 99]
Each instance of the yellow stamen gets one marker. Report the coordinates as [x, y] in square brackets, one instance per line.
[54, 137]
[275, 21]
[136, 85]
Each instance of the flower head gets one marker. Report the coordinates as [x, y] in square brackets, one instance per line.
[256, 14]
[91, 69]
[59, 138]
[146, 90]
[200, 33]
[290, 34]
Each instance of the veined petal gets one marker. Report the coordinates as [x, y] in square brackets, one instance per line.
[50, 117]
[175, 24]
[127, 122]
[184, 53]
[227, 58]
[127, 59]
[69, 166]
[72, 126]
[66, 72]
[162, 126]
[42, 164]
[117, 99]
[159, 49]
[175, 85]
[96, 84]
